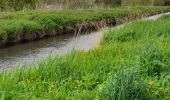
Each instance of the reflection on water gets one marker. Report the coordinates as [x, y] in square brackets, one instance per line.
[35, 51]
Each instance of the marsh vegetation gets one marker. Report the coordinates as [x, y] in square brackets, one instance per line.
[31, 25]
[8, 5]
[130, 63]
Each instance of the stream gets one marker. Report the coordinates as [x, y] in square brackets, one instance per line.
[34, 52]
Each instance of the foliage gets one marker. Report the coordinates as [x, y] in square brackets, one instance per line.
[17, 4]
[123, 67]
[15, 24]
[143, 2]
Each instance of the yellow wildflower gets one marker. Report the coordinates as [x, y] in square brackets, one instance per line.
[97, 98]
[52, 86]
[109, 73]
[136, 82]
[75, 87]
[151, 83]
[97, 82]
[83, 52]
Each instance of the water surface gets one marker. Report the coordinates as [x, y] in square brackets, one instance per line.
[26, 54]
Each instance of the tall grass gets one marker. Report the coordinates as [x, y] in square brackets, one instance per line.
[15, 5]
[8, 5]
[147, 42]
[143, 2]
[126, 84]
[132, 62]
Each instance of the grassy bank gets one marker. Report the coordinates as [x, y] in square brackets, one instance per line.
[132, 62]
[26, 26]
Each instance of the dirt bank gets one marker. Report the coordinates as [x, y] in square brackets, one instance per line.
[84, 26]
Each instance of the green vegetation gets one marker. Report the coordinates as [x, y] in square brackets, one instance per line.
[13, 25]
[144, 55]
[15, 5]
[132, 62]
[84, 4]
[143, 2]
[6, 5]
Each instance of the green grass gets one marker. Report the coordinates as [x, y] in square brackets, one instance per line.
[14, 24]
[146, 45]
[132, 62]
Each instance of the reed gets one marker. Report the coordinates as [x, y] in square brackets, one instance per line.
[15, 5]
[8, 5]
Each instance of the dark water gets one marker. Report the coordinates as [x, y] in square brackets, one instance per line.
[32, 52]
